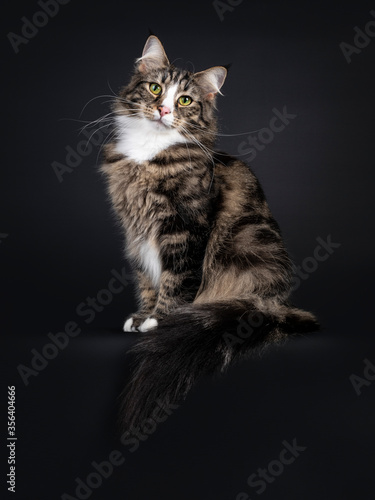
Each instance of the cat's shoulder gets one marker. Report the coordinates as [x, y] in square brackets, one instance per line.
[229, 165]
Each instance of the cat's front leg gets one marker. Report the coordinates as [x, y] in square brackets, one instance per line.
[176, 288]
[147, 297]
[181, 261]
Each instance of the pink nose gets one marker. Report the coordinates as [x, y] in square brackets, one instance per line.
[164, 110]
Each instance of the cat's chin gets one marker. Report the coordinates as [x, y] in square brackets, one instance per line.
[141, 139]
[161, 125]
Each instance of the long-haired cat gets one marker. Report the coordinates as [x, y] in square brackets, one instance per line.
[212, 271]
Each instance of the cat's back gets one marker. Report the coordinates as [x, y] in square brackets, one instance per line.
[239, 188]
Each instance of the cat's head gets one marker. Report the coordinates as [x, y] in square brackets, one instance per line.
[169, 99]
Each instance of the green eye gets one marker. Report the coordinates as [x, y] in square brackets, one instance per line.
[185, 100]
[155, 88]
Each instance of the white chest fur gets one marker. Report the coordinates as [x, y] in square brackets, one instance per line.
[141, 139]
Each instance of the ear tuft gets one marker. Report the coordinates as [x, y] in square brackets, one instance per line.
[211, 80]
[227, 66]
[153, 55]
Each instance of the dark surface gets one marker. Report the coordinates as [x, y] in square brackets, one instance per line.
[62, 245]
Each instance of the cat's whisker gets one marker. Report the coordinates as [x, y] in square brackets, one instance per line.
[188, 150]
[219, 134]
[88, 123]
[122, 111]
[74, 120]
[113, 134]
[239, 134]
[128, 125]
[106, 117]
[206, 149]
[189, 124]
[199, 144]
[135, 106]
[95, 131]
[127, 101]
[105, 122]
[111, 89]
[93, 99]
[192, 65]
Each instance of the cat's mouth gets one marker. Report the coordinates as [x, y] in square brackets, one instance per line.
[161, 123]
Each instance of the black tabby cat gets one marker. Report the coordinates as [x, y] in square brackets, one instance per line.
[207, 253]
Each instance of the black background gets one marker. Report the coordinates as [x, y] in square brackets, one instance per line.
[62, 245]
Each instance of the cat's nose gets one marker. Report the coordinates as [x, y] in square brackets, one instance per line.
[164, 110]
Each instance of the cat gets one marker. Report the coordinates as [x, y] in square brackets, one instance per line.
[206, 251]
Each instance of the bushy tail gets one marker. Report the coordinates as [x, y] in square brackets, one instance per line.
[199, 339]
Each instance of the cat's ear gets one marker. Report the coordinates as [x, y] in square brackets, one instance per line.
[153, 55]
[211, 80]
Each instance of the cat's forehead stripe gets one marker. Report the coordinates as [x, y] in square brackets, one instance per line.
[170, 76]
[165, 76]
[169, 98]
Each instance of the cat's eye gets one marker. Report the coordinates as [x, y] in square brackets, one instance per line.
[185, 100]
[155, 88]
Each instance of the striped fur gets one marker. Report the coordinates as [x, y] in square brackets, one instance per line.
[199, 233]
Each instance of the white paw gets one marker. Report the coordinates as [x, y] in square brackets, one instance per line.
[128, 326]
[148, 324]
